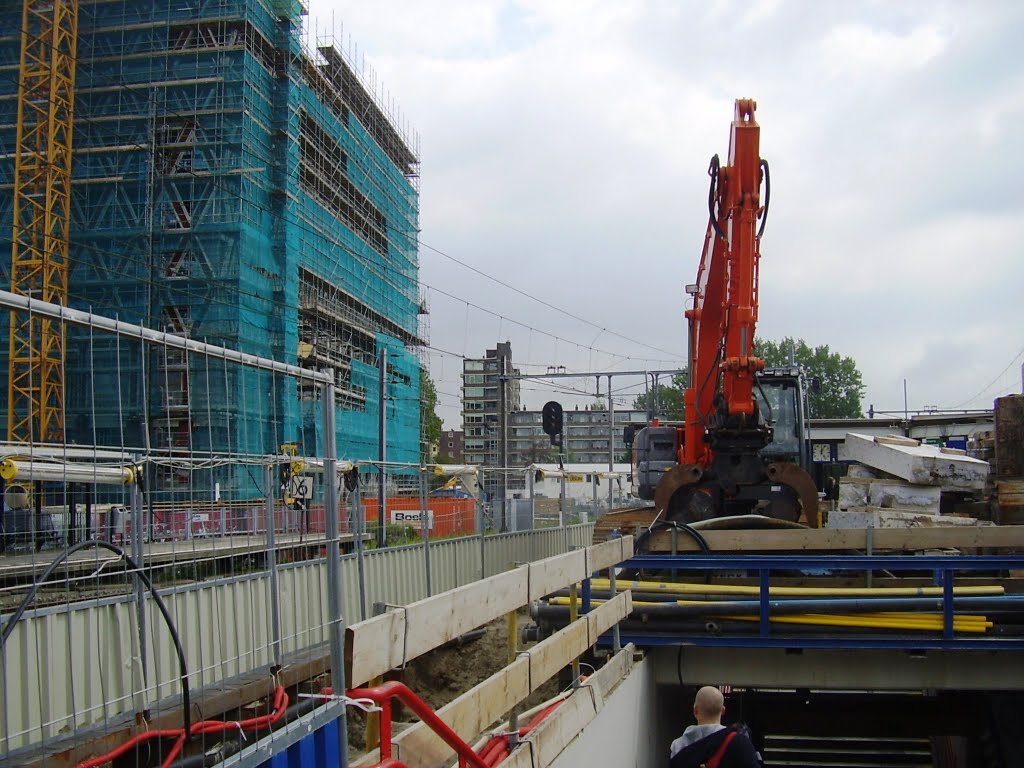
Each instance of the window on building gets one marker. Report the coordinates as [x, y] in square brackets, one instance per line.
[178, 263]
[174, 148]
[177, 319]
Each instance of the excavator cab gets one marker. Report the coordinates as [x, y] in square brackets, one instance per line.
[781, 397]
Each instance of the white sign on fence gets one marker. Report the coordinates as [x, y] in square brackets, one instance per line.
[301, 487]
[412, 517]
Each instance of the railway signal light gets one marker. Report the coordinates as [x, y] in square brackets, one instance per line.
[551, 419]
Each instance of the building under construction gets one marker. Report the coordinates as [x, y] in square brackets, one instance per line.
[236, 185]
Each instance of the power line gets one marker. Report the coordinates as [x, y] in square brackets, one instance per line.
[192, 290]
[989, 385]
[545, 303]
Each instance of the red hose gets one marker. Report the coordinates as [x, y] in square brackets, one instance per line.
[497, 749]
[204, 727]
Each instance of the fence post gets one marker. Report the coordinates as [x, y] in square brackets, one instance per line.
[562, 517]
[480, 523]
[138, 553]
[275, 603]
[530, 477]
[425, 525]
[336, 626]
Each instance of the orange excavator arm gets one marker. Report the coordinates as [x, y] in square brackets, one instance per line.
[723, 318]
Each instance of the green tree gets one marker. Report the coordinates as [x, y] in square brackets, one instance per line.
[666, 399]
[841, 383]
[430, 422]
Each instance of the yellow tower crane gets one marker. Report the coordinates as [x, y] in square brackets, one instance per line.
[42, 217]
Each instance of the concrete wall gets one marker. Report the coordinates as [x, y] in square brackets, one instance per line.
[626, 733]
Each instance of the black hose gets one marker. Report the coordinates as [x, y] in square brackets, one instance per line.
[767, 198]
[713, 168]
[693, 533]
[764, 209]
[30, 596]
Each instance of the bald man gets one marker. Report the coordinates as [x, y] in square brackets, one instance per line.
[709, 743]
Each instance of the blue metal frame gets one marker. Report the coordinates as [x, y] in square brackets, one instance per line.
[942, 567]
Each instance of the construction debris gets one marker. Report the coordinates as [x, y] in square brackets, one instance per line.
[900, 484]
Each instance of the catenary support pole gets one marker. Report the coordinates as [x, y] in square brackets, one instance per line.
[502, 443]
[382, 435]
[611, 442]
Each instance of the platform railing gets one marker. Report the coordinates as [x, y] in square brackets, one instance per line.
[960, 609]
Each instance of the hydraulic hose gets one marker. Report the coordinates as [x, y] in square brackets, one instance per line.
[713, 169]
[767, 197]
[186, 702]
[692, 532]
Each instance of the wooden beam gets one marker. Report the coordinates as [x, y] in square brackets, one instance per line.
[483, 705]
[547, 741]
[388, 641]
[829, 540]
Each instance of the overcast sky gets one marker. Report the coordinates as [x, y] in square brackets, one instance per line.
[565, 145]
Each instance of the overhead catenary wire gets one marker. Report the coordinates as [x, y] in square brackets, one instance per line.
[992, 383]
[549, 305]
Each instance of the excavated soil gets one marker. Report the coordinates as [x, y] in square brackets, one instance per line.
[446, 673]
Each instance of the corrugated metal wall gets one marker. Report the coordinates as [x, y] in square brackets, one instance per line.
[224, 626]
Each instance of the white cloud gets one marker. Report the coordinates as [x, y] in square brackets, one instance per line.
[565, 147]
[858, 50]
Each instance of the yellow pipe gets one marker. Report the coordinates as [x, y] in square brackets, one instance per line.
[736, 589]
[870, 623]
[910, 615]
[887, 619]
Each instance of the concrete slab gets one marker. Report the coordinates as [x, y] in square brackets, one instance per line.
[889, 494]
[921, 464]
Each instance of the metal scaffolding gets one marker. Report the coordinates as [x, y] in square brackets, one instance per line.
[234, 183]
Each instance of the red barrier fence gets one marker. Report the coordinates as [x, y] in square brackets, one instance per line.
[447, 517]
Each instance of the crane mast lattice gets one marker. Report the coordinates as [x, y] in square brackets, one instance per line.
[42, 216]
